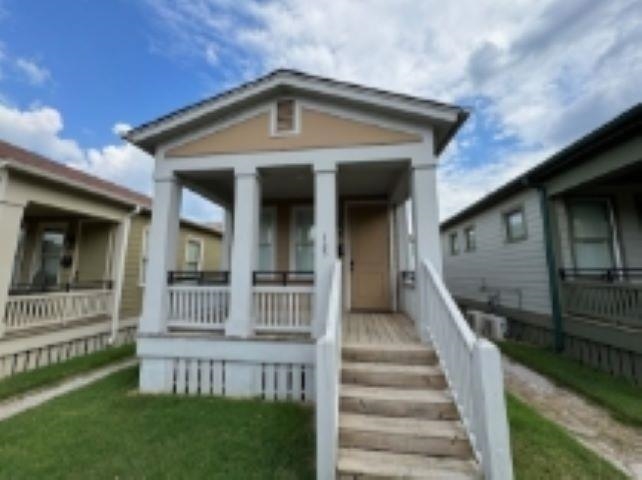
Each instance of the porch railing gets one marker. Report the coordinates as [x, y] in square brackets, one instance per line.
[473, 370]
[285, 309]
[198, 307]
[33, 310]
[203, 277]
[328, 371]
[619, 303]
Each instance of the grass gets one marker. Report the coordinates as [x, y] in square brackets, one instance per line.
[541, 449]
[616, 395]
[52, 374]
[107, 430]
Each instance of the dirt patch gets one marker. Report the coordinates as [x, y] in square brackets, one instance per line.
[591, 425]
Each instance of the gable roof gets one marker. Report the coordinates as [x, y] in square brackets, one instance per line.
[617, 130]
[446, 118]
[18, 158]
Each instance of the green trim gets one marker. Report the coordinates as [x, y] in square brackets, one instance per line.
[553, 286]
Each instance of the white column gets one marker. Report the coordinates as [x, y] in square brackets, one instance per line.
[118, 272]
[325, 242]
[161, 257]
[247, 199]
[10, 219]
[425, 216]
[228, 235]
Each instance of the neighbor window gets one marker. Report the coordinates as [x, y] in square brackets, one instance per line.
[143, 256]
[267, 224]
[17, 259]
[471, 240]
[193, 255]
[592, 233]
[454, 243]
[285, 120]
[50, 256]
[515, 225]
[303, 239]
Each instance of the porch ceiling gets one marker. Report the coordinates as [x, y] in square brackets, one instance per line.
[36, 211]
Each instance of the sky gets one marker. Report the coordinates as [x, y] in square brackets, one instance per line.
[535, 75]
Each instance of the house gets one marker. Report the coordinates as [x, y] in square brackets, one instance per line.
[73, 252]
[315, 301]
[558, 250]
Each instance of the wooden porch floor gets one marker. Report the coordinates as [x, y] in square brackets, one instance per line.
[378, 329]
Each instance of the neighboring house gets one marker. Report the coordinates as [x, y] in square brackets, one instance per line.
[73, 247]
[559, 250]
[311, 171]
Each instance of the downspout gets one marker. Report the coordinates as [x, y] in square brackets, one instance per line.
[551, 263]
[120, 268]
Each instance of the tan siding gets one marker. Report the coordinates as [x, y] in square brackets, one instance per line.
[318, 130]
[132, 295]
[93, 250]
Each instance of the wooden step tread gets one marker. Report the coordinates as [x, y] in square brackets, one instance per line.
[359, 464]
[402, 348]
[391, 368]
[395, 394]
[403, 426]
[406, 354]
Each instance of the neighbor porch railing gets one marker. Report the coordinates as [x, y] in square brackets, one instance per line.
[611, 295]
[26, 311]
[473, 370]
[328, 371]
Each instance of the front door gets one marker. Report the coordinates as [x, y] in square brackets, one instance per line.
[369, 234]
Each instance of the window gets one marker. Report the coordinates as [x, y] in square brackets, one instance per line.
[193, 255]
[285, 120]
[143, 257]
[52, 247]
[303, 239]
[592, 233]
[515, 225]
[454, 243]
[17, 259]
[267, 225]
[471, 240]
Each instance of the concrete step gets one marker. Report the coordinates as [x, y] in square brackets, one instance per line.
[392, 402]
[355, 464]
[404, 354]
[393, 375]
[404, 435]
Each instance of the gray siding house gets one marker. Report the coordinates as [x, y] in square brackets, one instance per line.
[559, 250]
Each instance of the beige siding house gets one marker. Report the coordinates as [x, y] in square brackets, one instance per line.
[72, 255]
[559, 250]
[318, 179]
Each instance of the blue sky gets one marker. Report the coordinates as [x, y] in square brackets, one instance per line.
[535, 76]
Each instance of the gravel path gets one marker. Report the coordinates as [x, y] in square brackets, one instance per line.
[17, 405]
[591, 425]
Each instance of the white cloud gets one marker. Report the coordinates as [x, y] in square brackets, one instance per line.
[35, 74]
[121, 128]
[40, 129]
[551, 70]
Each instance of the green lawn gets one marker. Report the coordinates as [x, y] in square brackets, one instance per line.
[52, 374]
[621, 398]
[543, 450]
[107, 430]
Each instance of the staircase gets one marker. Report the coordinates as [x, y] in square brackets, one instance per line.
[397, 418]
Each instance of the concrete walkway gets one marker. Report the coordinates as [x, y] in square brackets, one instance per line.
[591, 425]
[17, 405]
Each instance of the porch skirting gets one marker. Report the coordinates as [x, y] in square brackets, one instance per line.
[184, 364]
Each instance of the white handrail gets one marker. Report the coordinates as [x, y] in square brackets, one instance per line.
[328, 371]
[473, 369]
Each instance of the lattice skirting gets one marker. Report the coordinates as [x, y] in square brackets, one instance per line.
[34, 358]
[268, 381]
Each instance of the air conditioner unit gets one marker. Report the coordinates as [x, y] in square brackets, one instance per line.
[487, 325]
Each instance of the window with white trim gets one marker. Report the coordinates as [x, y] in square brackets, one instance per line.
[143, 257]
[592, 233]
[303, 239]
[515, 225]
[267, 234]
[454, 243]
[470, 238]
[285, 120]
[193, 255]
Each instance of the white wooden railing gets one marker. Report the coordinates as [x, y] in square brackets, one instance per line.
[473, 369]
[198, 307]
[328, 371]
[618, 302]
[59, 308]
[283, 308]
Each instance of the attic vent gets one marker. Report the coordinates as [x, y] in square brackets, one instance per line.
[285, 121]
